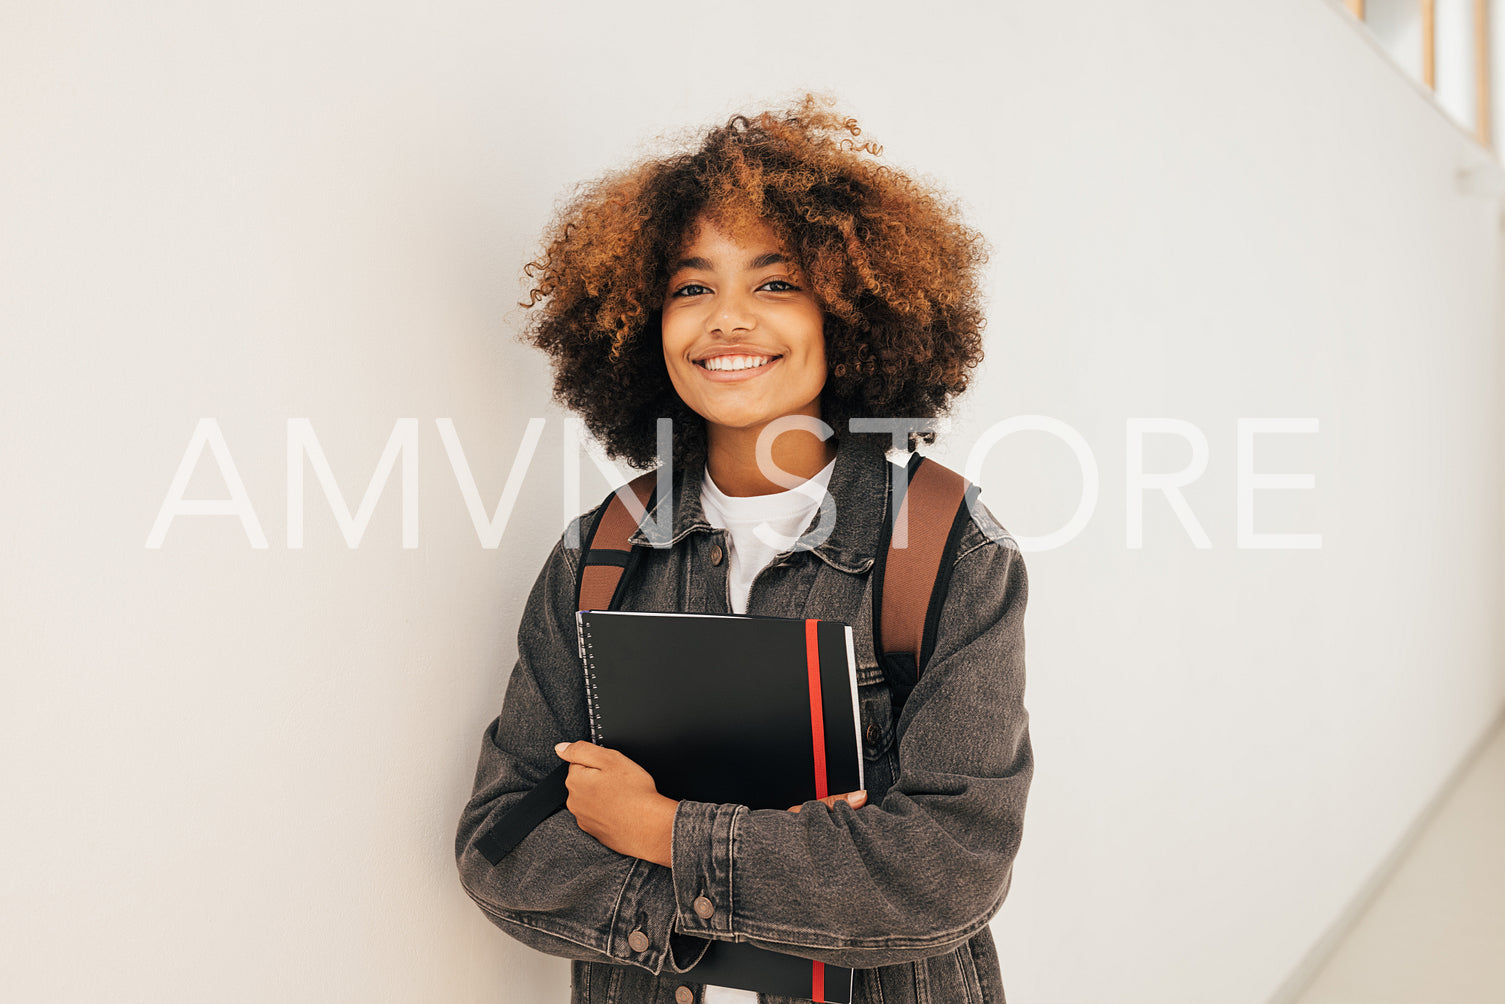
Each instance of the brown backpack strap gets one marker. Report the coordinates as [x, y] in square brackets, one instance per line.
[609, 547]
[910, 582]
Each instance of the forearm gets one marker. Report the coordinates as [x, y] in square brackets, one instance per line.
[878, 885]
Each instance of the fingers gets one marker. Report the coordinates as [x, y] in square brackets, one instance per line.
[586, 754]
[856, 799]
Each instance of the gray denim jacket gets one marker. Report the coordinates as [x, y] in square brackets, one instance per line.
[901, 889]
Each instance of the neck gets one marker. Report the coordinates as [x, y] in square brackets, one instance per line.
[732, 459]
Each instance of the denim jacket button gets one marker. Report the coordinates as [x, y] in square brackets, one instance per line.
[704, 908]
[684, 995]
[716, 554]
[637, 941]
[872, 733]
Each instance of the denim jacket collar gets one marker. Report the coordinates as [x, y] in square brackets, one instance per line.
[859, 491]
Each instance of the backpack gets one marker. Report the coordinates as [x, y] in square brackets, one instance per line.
[909, 589]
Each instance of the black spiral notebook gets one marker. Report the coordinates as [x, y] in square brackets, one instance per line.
[758, 711]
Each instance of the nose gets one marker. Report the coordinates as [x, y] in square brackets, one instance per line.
[734, 312]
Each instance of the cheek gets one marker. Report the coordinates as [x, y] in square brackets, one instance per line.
[818, 350]
[668, 341]
[673, 354]
[678, 328]
[820, 376]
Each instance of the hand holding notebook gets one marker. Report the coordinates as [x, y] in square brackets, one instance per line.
[616, 801]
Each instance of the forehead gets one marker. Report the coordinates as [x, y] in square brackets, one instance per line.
[728, 242]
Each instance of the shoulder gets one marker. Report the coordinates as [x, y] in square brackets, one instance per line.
[983, 533]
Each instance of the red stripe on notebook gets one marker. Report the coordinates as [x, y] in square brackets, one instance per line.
[818, 746]
[817, 711]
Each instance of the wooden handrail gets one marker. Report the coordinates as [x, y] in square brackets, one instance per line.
[1481, 72]
[1427, 10]
[1429, 43]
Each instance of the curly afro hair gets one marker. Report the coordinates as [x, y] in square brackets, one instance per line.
[888, 259]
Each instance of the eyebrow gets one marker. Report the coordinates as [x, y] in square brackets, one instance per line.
[704, 264]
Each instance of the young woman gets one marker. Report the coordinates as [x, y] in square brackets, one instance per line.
[777, 272]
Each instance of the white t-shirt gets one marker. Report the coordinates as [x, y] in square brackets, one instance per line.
[760, 527]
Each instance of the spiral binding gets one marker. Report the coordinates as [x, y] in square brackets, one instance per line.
[592, 695]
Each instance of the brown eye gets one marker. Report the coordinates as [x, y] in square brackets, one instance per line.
[693, 289]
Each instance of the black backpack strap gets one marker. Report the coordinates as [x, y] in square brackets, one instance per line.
[546, 798]
[609, 553]
[910, 582]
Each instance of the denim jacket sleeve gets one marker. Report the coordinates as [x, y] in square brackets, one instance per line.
[920, 872]
[559, 891]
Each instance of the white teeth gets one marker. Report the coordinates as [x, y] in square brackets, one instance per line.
[723, 363]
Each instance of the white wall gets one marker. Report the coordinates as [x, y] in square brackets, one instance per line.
[234, 772]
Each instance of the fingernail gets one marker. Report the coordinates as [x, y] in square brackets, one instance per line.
[858, 797]
[560, 747]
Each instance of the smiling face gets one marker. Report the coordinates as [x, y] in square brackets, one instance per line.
[742, 332]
